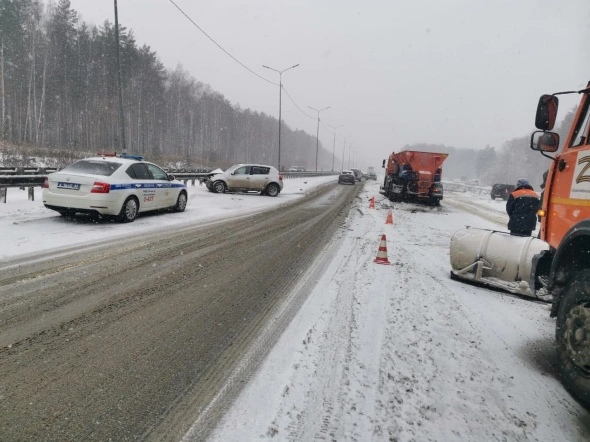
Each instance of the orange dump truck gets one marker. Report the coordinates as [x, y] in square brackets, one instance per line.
[414, 176]
[556, 266]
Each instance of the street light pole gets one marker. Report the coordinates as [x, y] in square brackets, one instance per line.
[334, 146]
[280, 103]
[344, 150]
[120, 82]
[317, 137]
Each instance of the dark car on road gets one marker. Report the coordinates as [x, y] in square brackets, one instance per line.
[502, 191]
[346, 176]
[358, 175]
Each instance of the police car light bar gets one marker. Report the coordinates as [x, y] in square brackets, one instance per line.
[106, 154]
[130, 156]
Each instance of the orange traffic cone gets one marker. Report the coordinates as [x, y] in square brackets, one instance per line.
[372, 203]
[382, 252]
[389, 219]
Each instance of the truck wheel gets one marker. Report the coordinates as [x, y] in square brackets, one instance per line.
[573, 336]
[493, 196]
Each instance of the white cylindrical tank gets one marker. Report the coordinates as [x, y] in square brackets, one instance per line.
[506, 257]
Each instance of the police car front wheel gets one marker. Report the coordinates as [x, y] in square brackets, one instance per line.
[180, 202]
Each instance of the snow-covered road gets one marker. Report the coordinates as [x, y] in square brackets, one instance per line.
[397, 352]
[403, 353]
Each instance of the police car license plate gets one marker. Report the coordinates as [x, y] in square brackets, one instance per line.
[70, 186]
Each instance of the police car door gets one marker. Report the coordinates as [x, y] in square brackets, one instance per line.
[143, 186]
[163, 191]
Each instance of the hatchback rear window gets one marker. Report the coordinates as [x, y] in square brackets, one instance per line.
[90, 167]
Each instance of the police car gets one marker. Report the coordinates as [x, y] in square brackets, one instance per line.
[117, 185]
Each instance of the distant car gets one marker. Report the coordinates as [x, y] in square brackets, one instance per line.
[247, 178]
[502, 191]
[121, 186]
[346, 176]
[297, 169]
[358, 175]
[371, 174]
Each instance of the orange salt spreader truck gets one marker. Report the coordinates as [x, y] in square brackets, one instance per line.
[414, 176]
[556, 266]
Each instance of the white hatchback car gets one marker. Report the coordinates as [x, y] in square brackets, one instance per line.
[121, 186]
[247, 177]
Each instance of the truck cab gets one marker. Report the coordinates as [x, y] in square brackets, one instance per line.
[565, 225]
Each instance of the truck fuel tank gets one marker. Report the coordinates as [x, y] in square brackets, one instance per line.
[495, 258]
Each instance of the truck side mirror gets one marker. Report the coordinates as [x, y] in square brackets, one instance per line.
[546, 112]
[383, 165]
[544, 141]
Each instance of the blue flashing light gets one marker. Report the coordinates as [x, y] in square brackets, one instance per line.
[130, 156]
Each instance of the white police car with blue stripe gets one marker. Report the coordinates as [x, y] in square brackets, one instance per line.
[116, 185]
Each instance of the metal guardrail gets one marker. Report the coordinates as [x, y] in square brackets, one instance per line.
[31, 177]
[466, 187]
[22, 177]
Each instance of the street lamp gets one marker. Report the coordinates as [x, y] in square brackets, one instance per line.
[280, 98]
[120, 82]
[317, 137]
[334, 146]
[343, 150]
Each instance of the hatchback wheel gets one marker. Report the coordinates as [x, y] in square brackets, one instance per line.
[218, 187]
[272, 189]
[129, 210]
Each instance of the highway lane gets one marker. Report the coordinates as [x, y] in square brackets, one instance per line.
[134, 338]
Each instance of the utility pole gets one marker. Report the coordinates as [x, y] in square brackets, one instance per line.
[3, 101]
[317, 139]
[120, 82]
[334, 145]
[280, 106]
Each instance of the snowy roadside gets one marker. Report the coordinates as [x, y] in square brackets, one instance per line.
[402, 352]
[28, 228]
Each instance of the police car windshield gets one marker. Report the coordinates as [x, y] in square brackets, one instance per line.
[91, 167]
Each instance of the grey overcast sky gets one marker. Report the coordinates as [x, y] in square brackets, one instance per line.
[465, 73]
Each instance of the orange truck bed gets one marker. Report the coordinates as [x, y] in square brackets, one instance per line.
[426, 162]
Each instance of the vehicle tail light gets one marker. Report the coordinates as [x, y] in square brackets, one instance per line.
[100, 187]
[46, 183]
[280, 177]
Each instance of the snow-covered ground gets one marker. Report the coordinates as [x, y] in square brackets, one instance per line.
[28, 228]
[403, 353]
[377, 352]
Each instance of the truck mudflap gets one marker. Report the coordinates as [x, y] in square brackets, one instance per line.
[496, 259]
